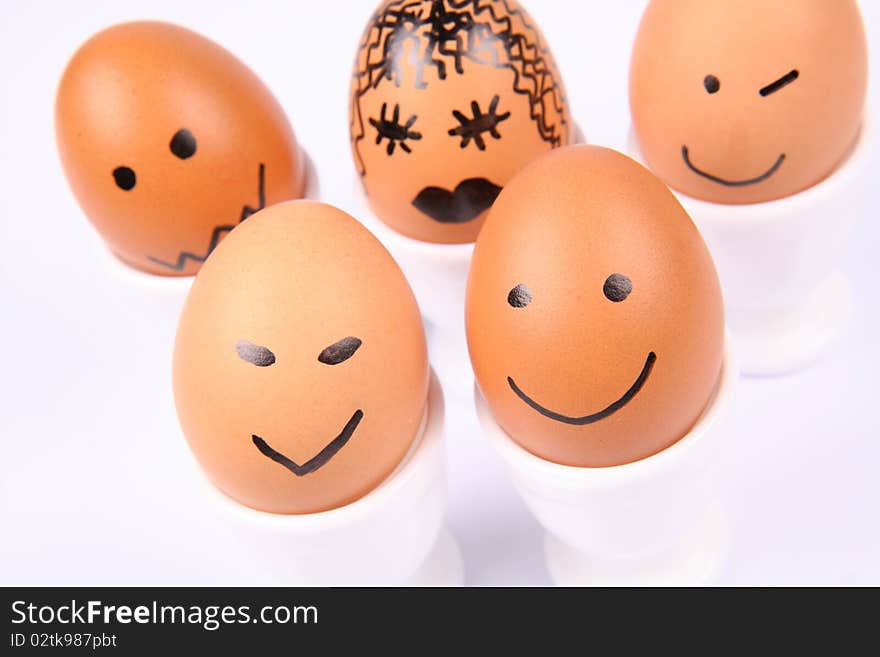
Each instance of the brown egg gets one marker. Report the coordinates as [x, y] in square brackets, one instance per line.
[168, 142]
[448, 101]
[594, 315]
[300, 366]
[748, 101]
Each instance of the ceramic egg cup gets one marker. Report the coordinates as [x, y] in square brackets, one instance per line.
[785, 299]
[394, 535]
[165, 294]
[657, 521]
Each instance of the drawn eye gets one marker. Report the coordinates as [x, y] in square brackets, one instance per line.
[254, 353]
[473, 128]
[339, 351]
[393, 131]
[520, 296]
[125, 178]
[711, 83]
[776, 85]
[617, 287]
[183, 144]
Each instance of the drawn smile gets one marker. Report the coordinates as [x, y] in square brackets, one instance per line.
[321, 458]
[594, 417]
[731, 183]
[466, 202]
[219, 231]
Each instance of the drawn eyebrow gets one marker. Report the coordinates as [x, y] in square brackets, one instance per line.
[339, 351]
[788, 78]
[254, 353]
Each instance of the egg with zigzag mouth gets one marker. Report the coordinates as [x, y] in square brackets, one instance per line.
[169, 142]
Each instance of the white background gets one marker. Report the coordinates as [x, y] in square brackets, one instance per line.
[98, 486]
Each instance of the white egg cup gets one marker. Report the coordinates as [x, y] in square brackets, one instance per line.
[785, 299]
[653, 522]
[164, 295]
[394, 535]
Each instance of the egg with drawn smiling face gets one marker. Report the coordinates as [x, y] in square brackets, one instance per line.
[448, 101]
[747, 101]
[594, 314]
[168, 142]
[300, 366]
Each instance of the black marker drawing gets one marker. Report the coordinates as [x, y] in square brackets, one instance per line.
[254, 353]
[340, 351]
[183, 144]
[393, 131]
[788, 78]
[712, 84]
[617, 287]
[731, 183]
[125, 178]
[430, 34]
[219, 231]
[594, 417]
[467, 201]
[475, 127]
[321, 458]
[520, 296]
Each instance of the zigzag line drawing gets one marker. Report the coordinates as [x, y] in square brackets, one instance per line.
[465, 30]
[219, 231]
[539, 73]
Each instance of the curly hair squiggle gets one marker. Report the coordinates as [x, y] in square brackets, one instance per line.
[444, 33]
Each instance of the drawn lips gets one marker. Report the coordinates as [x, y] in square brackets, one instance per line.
[469, 199]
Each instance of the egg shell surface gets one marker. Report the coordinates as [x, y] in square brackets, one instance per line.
[168, 142]
[593, 311]
[300, 364]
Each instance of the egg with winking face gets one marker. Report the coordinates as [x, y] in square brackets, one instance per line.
[747, 101]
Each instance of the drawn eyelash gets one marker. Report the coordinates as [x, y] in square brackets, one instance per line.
[473, 129]
[395, 132]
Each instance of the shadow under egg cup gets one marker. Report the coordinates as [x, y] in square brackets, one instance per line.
[165, 294]
[653, 522]
[393, 535]
[785, 299]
